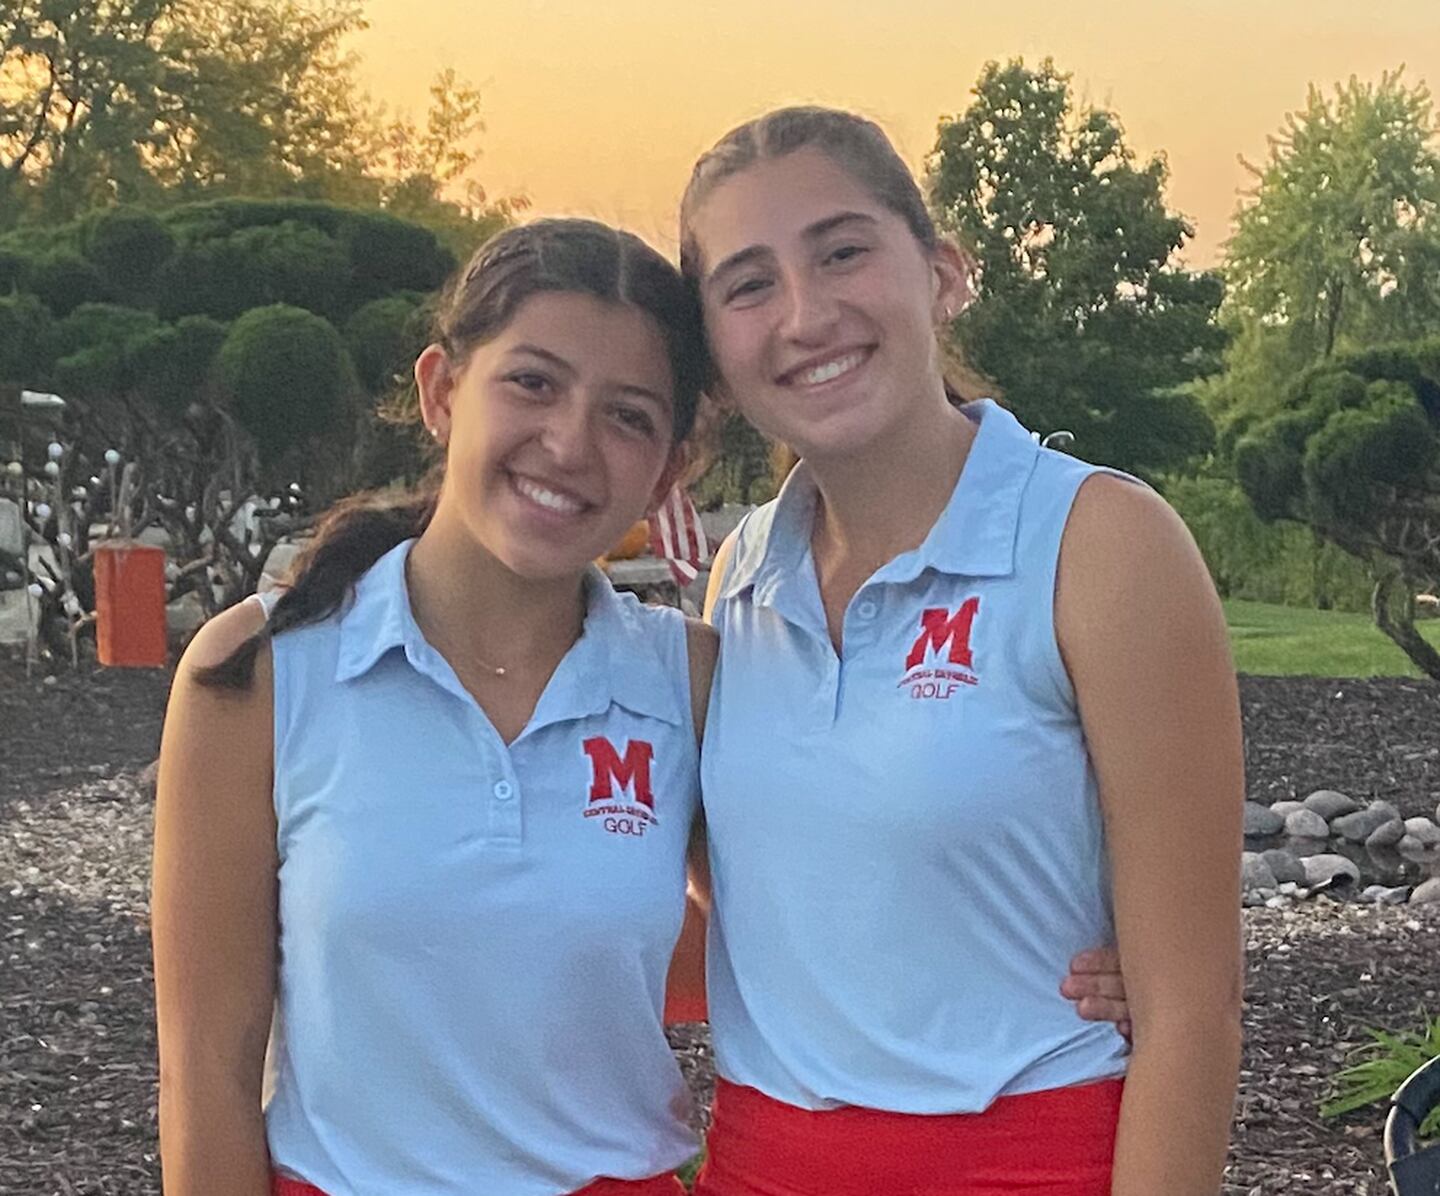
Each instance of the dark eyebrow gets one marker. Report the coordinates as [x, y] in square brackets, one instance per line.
[560, 363]
[545, 355]
[644, 392]
[736, 260]
[830, 223]
[812, 233]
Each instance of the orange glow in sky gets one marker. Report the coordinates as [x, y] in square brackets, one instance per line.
[598, 107]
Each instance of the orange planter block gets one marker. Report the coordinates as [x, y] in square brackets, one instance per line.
[130, 605]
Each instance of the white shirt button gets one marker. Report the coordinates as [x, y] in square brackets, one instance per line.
[504, 790]
[866, 610]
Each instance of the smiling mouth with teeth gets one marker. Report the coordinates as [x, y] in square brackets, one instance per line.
[550, 500]
[828, 371]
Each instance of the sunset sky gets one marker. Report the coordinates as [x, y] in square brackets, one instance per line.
[598, 107]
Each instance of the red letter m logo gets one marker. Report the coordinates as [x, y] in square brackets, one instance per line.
[940, 627]
[610, 770]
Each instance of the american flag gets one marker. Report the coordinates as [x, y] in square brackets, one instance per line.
[677, 537]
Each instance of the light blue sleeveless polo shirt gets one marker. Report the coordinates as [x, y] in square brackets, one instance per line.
[906, 843]
[474, 937]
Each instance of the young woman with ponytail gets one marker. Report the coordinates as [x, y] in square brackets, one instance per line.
[991, 681]
[433, 813]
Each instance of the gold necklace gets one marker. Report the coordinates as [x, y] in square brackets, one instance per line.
[494, 670]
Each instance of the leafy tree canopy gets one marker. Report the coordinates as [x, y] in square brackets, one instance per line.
[1084, 317]
[1355, 456]
[1338, 244]
[156, 102]
[287, 376]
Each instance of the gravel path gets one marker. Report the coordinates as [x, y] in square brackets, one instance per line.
[77, 1052]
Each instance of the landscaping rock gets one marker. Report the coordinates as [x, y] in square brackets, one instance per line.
[12, 528]
[1255, 873]
[1261, 820]
[1359, 826]
[1284, 866]
[184, 616]
[1386, 835]
[1410, 846]
[1306, 824]
[1384, 807]
[1330, 804]
[1426, 892]
[1321, 869]
[1424, 830]
[1380, 895]
[1286, 808]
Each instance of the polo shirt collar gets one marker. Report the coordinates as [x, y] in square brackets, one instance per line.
[974, 535]
[616, 659]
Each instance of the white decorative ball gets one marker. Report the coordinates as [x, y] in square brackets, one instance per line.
[56, 450]
[112, 457]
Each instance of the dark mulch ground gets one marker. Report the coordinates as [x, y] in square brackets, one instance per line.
[1370, 739]
[77, 1071]
[55, 729]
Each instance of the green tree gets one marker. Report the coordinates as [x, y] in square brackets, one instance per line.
[736, 464]
[384, 338]
[427, 172]
[127, 246]
[63, 279]
[236, 414]
[1083, 317]
[287, 377]
[131, 100]
[173, 364]
[1338, 244]
[1355, 456]
[262, 100]
[155, 102]
[25, 334]
[73, 116]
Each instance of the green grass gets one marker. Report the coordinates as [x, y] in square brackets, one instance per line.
[691, 1169]
[1282, 641]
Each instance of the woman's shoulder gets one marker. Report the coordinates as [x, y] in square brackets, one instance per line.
[221, 637]
[1119, 515]
[1127, 558]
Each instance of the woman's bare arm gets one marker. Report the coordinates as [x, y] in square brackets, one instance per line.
[213, 914]
[1144, 639]
[685, 986]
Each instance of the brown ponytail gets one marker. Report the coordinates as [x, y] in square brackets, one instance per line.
[566, 256]
[351, 536]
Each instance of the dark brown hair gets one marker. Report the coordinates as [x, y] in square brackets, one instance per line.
[860, 148]
[546, 256]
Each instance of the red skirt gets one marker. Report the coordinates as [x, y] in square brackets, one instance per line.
[1058, 1142]
[660, 1185]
